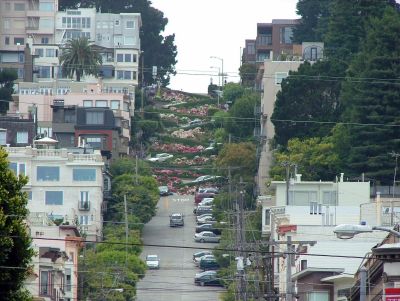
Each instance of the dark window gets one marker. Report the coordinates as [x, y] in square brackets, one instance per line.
[7, 40]
[94, 117]
[303, 264]
[267, 217]
[19, 41]
[44, 283]
[84, 174]
[286, 35]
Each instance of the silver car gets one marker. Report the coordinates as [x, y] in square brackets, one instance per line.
[206, 236]
[152, 262]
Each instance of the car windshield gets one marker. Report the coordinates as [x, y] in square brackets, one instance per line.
[152, 258]
[176, 216]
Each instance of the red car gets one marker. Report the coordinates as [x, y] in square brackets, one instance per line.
[199, 196]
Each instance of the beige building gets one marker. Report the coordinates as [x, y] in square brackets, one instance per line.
[67, 187]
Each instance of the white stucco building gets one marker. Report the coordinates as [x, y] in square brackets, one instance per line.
[67, 187]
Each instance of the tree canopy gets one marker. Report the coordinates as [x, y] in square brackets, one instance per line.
[372, 102]
[7, 78]
[15, 241]
[158, 50]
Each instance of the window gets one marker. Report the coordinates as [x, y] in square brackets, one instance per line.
[17, 168]
[302, 198]
[286, 35]
[120, 57]
[94, 142]
[251, 49]
[84, 220]
[29, 193]
[19, 41]
[101, 103]
[43, 6]
[50, 53]
[126, 106]
[264, 40]
[45, 288]
[3, 137]
[128, 57]
[267, 217]
[44, 71]
[124, 74]
[54, 198]
[39, 52]
[134, 58]
[19, 6]
[329, 198]
[116, 22]
[318, 296]
[84, 199]
[262, 56]
[130, 24]
[6, 24]
[7, 40]
[94, 117]
[48, 173]
[303, 264]
[114, 104]
[45, 40]
[68, 280]
[84, 174]
[22, 137]
[88, 103]
[279, 76]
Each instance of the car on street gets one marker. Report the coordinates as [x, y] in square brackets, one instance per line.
[152, 261]
[206, 236]
[176, 219]
[164, 191]
[206, 219]
[208, 264]
[208, 227]
[198, 259]
[201, 254]
[207, 278]
[160, 157]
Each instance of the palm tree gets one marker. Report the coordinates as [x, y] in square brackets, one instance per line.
[78, 57]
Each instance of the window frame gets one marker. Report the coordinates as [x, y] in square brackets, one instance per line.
[55, 169]
[84, 178]
[53, 202]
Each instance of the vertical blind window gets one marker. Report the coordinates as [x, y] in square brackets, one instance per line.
[94, 117]
[48, 173]
[84, 174]
[3, 137]
[22, 137]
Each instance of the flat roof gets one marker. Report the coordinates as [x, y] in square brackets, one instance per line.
[309, 271]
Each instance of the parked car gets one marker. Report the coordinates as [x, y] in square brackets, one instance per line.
[206, 236]
[164, 191]
[199, 210]
[200, 254]
[206, 202]
[208, 227]
[176, 219]
[198, 259]
[208, 190]
[208, 264]
[207, 278]
[152, 261]
[199, 196]
[160, 157]
[208, 219]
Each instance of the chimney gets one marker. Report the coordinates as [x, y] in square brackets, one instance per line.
[341, 177]
[298, 177]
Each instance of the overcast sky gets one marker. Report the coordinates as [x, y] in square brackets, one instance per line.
[205, 28]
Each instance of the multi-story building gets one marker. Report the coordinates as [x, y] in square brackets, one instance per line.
[274, 71]
[16, 131]
[21, 21]
[68, 187]
[308, 211]
[56, 106]
[55, 265]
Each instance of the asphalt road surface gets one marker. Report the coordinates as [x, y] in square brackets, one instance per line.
[174, 281]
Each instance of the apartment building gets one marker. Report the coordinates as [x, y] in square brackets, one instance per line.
[55, 265]
[56, 106]
[68, 187]
[15, 131]
[22, 21]
[308, 211]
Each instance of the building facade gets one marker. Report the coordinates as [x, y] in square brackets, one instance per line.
[16, 131]
[67, 187]
[55, 265]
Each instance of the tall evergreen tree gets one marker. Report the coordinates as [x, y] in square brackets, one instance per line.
[7, 78]
[371, 95]
[15, 243]
[314, 18]
[309, 94]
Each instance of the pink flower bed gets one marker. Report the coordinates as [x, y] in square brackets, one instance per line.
[177, 148]
[198, 160]
[175, 172]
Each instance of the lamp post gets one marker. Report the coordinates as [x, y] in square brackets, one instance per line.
[222, 67]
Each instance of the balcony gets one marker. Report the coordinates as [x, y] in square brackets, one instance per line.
[83, 205]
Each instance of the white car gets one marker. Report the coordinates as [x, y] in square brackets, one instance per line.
[160, 157]
[197, 259]
[152, 261]
[206, 236]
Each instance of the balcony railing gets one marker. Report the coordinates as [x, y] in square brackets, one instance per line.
[83, 205]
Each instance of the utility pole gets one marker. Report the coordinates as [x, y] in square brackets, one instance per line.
[126, 230]
[287, 165]
[136, 170]
[289, 256]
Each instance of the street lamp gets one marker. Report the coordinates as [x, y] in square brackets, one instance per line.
[348, 231]
[222, 67]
